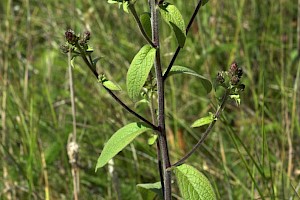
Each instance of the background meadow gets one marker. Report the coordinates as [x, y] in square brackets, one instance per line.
[253, 151]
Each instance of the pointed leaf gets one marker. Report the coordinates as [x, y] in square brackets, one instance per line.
[96, 60]
[204, 2]
[173, 17]
[204, 120]
[148, 191]
[184, 70]
[146, 22]
[139, 69]
[193, 185]
[111, 85]
[120, 140]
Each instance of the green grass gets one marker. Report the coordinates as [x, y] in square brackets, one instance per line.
[252, 153]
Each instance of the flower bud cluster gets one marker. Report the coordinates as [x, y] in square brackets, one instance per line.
[74, 41]
[236, 73]
[231, 78]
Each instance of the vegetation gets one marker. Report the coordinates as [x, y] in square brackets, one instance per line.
[252, 151]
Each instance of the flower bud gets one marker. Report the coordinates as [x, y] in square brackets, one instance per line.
[71, 37]
[233, 68]
[64, 48]
[239, 72]
[220, 78]
[234, 80]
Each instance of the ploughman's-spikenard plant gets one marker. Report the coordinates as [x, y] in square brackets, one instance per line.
[145, 81]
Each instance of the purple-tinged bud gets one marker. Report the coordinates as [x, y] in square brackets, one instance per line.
[234, 80]
[233, 68]
[71, 37]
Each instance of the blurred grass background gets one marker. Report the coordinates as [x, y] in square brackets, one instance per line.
[252, 153]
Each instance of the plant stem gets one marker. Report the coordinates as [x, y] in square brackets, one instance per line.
[178, 48]
[91, 67]
[158, 152]
[162, 139]
[137, 19]
[206, 133]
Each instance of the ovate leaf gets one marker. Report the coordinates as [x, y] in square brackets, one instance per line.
[193, 185]
[111, 85]
[152, 139]
[184, 70]
[146, 23]
[120, 140]
[148, 191]
[108, 84]
[139, 69]
[204, 120]
[173, 17]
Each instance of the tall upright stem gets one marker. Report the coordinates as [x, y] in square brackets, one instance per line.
[162, 139]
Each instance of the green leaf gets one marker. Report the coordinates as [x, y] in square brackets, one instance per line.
[152, 139]
[143, 101]
[204, 120]
[125, 6]
[204, 2]
[146, 23]
[108, 84]
[114, 1]
[193, 185]
[173, 17]
[149, 191]
[89, 49]
[119, 141]
[111, 85]
[96, 60]
[139, 69]
[237, 98]
[184, 70]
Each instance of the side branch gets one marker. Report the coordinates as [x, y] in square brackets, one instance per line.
[206, 133]
[137, 19]
[83, 55]
[178, 48]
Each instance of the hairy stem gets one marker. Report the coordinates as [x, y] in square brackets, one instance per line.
[158, 152]
[162, 139]
[178, 48]
[206, 133]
